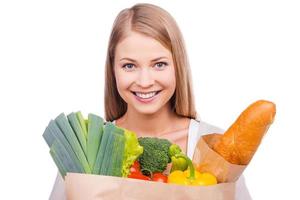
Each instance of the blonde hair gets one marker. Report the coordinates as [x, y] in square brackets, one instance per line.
[158, 24]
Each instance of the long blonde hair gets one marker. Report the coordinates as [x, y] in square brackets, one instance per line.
[158, 24]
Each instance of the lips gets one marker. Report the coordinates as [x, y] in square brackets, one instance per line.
[146, 95]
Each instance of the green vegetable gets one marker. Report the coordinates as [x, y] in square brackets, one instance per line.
[156, 154]
[178, 163]
[83, 123]
[174, 149]
[53, 135]
[59, 163]
[107, 153]
[132, 151]
[114, 149]
[90, 146]
[65, 127]
[115, 165]
[107, 131]
[95, 131]
[64, 159]
[75, 123]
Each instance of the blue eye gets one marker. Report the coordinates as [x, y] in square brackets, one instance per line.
[128, 67]
[161, 65]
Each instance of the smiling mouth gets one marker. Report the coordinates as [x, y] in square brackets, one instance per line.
[148, 95]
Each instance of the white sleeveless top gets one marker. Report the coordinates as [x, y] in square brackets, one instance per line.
[195, 131]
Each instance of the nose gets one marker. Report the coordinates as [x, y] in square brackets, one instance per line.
[145, 78]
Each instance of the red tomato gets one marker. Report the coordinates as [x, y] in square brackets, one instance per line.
[136, 164]
[135, 172]
[139, 175]
[135, 167]
[159, 177]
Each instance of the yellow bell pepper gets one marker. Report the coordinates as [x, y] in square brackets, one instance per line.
[191, 176]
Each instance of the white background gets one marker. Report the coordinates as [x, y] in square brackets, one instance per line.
[52, 56]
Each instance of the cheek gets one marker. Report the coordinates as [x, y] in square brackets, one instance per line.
[168, 79]
[122, 85]
[123, 80]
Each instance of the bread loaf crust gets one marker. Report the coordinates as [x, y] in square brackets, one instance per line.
[239, 143]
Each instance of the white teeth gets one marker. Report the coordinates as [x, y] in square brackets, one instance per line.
[145, 95]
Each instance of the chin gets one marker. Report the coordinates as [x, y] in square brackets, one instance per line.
[147, 111]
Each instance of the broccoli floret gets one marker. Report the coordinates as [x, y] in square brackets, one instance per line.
[156, 154]
[155, 161]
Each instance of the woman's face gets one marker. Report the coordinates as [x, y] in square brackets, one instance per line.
[144, 72]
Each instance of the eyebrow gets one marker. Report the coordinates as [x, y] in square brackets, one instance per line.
[132, 60]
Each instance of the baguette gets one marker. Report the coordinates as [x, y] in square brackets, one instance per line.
[239, 143]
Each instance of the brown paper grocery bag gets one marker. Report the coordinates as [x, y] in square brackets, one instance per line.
[98, 187]
[90, 187]
[206, 160]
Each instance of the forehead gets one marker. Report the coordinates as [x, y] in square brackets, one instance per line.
[139, 46]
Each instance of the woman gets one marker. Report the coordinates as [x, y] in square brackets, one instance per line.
[148, 86]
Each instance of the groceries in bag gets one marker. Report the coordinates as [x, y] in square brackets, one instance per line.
[93, 146]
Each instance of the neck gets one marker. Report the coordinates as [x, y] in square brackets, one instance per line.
[148, 124]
